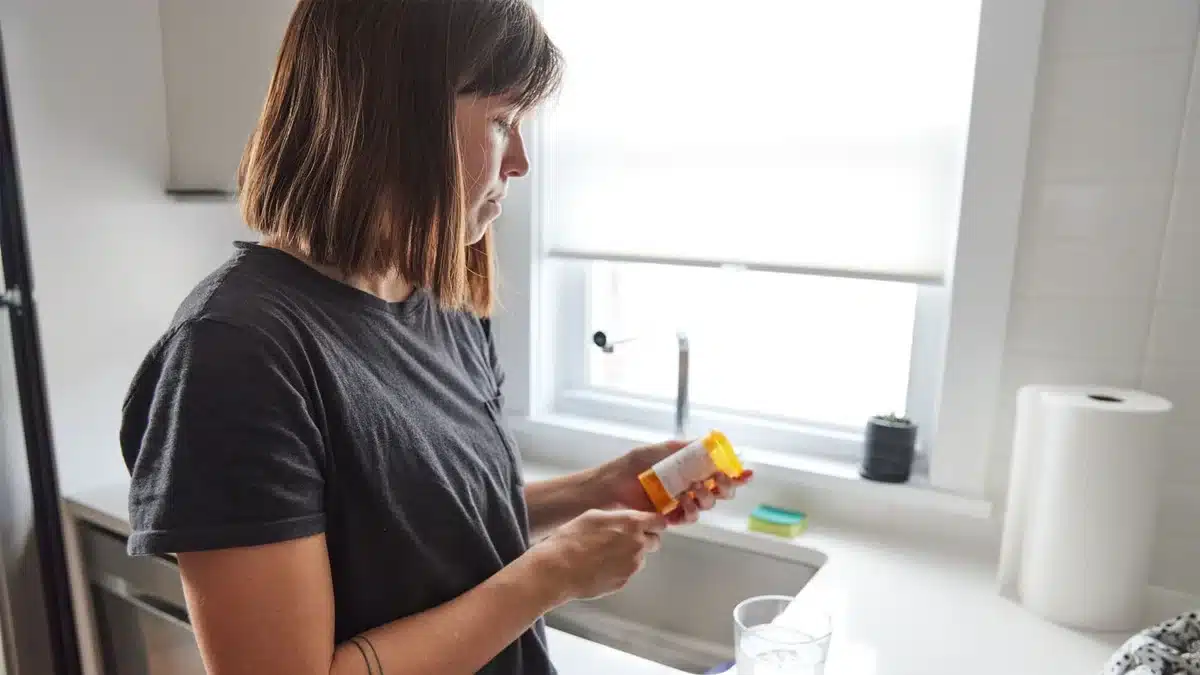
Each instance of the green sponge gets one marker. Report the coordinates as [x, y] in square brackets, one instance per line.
[777, 521]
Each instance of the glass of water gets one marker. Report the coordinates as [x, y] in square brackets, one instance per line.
[768, 645]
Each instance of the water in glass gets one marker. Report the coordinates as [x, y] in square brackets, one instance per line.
[778, 650]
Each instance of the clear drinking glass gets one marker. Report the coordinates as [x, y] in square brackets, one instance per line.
[769, 643]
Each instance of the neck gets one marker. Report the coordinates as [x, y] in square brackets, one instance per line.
[388, 287]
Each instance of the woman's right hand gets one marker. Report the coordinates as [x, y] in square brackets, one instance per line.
[596, 553]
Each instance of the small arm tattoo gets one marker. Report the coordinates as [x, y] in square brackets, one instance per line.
[367, 661]
[359, 640]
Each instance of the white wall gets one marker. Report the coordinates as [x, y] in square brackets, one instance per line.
[1172, 364]
[112, 255]
[1106, 288]
[214, 95]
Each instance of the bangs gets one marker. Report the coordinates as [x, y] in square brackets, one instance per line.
[517, 60]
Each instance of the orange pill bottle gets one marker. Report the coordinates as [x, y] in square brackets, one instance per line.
[698, 461]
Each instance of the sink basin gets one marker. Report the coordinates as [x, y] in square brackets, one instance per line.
[678, 611]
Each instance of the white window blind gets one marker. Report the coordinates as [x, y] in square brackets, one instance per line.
[782, 135]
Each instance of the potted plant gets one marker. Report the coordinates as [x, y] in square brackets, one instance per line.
[888, 449]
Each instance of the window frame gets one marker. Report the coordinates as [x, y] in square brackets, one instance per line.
[533, 329]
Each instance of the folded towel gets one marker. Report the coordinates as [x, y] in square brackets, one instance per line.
[1170, 648]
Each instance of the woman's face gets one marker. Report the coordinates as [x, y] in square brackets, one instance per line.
[492, 151]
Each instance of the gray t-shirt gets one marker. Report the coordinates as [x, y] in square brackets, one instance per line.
[281, 403]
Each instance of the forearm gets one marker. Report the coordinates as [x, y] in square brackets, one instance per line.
[553, 502]
[460, 636]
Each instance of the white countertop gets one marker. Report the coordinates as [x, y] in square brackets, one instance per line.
[898, 608]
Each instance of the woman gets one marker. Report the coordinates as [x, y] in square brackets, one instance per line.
[318, 436]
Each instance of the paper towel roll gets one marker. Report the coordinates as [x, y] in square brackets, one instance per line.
[1079, 525]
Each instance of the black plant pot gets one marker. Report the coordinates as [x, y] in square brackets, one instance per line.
[888, 451]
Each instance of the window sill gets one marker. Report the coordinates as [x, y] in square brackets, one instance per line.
[576, 442]
[789, 437]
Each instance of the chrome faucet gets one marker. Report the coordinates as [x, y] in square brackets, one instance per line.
[682, 405]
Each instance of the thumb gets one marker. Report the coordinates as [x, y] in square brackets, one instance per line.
[653, 453]
[647, 521]
[674, 445]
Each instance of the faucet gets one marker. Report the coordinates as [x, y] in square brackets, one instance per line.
[682, 405]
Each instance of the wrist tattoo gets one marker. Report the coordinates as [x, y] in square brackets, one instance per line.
[359, 640]
[367, 661]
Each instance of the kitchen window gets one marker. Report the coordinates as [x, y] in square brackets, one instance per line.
[785, 361]
[790, 185]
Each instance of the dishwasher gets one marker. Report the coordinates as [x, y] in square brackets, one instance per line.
[141, 617]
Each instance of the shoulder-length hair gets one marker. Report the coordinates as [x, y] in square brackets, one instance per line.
[354, 161]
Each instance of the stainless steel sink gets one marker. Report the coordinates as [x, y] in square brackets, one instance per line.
[678, 610]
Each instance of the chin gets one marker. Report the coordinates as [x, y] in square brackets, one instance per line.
[475, 233]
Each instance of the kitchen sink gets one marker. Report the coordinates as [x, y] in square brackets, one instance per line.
[678, 611]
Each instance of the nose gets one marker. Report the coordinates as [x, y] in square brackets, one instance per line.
[515, 162]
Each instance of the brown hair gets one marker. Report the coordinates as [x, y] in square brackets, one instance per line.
[354, 161]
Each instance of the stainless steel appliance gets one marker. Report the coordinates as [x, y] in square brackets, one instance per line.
[141, 616]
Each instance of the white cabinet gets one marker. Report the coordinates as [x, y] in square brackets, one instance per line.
[218, 56]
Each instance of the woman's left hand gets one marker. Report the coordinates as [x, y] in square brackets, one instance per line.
[620, 481]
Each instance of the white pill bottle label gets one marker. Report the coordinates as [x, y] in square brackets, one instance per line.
[686, 466]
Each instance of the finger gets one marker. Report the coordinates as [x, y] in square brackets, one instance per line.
[646, 521]
[691, 512]
[723, 486]
[652, 542]
[744, 478]
[703, 496]
[676, 516]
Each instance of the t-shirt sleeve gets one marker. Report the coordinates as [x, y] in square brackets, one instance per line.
[220, 440]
